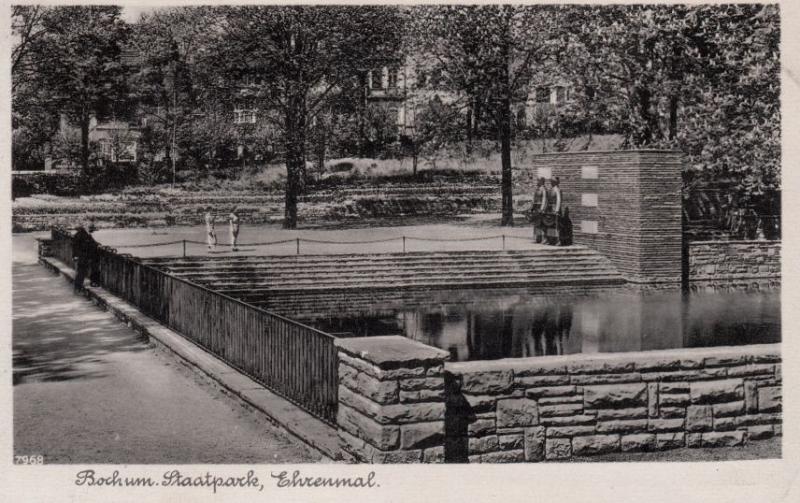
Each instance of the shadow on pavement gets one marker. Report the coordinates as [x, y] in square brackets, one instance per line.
[58, 336]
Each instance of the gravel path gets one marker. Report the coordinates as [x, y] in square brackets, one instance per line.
[88, 390]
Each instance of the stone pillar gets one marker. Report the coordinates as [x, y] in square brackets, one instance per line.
[624, 204]
[391, 400]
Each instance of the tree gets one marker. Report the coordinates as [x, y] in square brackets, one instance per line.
[27, 28]
[168, 42]
[485, 55]
[704, 80]
[74, 65]
[295, 60]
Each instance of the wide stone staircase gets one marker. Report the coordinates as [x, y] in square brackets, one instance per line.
[294, 284]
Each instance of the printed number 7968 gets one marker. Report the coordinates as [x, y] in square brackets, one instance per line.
[29, 460]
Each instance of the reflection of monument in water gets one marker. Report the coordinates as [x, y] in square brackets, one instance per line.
[500, 330]
[518, 325]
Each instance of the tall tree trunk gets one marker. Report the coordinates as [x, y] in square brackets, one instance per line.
[295, 158]
[504, 137]
[673, 117]
[469, 128]
[85, 144]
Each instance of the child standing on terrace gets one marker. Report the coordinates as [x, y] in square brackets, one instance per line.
[211, 235]
[233, 218]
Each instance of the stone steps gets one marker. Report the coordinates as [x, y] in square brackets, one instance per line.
[272, 270]
[496, 281]
[222, 280]
[264, 280]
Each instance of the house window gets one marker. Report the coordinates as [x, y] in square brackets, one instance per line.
[542, 94]
[127, 152]
[244, 115]
[562, 94]
[106, 150]
[588, 199]
[394, 116]
[392, 78]
[375, 79]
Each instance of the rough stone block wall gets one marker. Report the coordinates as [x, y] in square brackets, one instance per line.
[630, 201]
[391, 400]
[725, 264]
[556, 408]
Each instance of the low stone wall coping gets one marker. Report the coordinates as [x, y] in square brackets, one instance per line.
[391, 351]
[718, 242]
[603, 362]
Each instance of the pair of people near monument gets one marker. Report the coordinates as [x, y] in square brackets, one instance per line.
[551, 223]
[211, 233]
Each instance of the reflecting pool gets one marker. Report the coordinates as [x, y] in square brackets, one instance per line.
[524, 325]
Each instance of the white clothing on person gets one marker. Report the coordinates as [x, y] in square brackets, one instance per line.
[233, 218]
[211, 235]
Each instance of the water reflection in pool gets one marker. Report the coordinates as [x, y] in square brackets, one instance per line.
[524, 325]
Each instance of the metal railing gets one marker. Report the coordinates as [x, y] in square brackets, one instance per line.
[295, 361]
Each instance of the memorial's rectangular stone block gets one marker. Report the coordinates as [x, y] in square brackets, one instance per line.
[551, 391]
[511, 441]
[638, 442]
[517, 412]
[479, 445]
[569, 431]
[717, 391]
[615, 396]
[595, 444]
[564, 409]
[632, 413]
[699, 418]
[379, 435]
[670, 440]
[769, 399]
[558, 448]
[659, 425]
[421, 435]
[534, 443]
[490, 381]
[541, 380]
[622, 426]
[729, 409]
[723, 438]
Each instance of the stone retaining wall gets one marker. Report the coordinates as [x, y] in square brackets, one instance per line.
[391, 400]
[554, 408]
[400, 402]
[734, 264]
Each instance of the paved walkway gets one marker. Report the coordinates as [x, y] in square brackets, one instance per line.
[88, 390]
[476, 232]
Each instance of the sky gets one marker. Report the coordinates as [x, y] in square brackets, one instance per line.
[131, 13]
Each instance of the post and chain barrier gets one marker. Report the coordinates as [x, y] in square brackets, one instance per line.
[404, 239]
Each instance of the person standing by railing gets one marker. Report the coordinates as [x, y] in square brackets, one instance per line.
[233, 220]
[211, 235]
[84, 249]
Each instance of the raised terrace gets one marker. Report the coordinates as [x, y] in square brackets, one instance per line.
[272, 281]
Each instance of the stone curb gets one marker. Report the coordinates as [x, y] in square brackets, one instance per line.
[300, 424]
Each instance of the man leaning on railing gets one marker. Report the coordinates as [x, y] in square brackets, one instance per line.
[84, 248]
